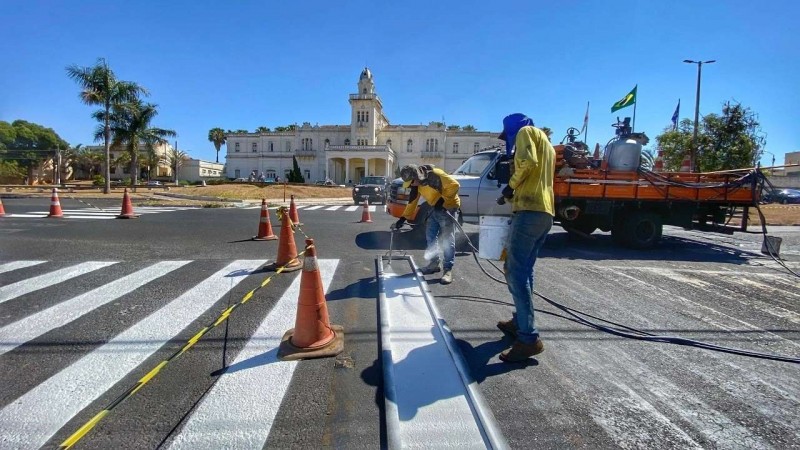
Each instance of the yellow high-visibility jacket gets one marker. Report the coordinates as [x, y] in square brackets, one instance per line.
[438, 184]
[534, 167]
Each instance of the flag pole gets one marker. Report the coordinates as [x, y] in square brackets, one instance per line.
[586, 126]
[633, 127]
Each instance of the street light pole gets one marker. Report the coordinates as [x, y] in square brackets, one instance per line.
[693, 150]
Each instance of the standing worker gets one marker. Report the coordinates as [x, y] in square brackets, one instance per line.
[440, 190]
[531, 192]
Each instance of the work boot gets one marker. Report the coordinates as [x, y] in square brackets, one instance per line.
[508, 327]
[521, 351]
[432, 267]
[447, 278]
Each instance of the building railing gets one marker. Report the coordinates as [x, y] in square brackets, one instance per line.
[431, 154]
[357, 148]
[364, 97]
[305, 152]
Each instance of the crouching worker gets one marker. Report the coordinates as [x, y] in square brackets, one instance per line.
[440, 190]
[531, 192]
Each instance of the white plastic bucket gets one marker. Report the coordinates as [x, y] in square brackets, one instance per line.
[493, 236]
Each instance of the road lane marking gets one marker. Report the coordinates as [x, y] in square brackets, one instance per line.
[240, 409]
[14, 265]
[312, 208]
[32, 419]
[352, 208]
[29, 328]
[333, 208]
[29, 285]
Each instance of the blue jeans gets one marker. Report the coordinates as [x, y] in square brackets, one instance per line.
[527, 235]
[441, 226]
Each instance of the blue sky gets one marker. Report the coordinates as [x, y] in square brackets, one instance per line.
[239, 65]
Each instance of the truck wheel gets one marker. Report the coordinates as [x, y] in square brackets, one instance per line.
[641, 230]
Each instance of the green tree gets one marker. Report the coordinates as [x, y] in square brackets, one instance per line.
[294, 175]
[88, 161]
[453, 127]
[218, 138]
[175, 159]
[468, 128]
[28, 145]
[100, 86]
[132, 130]
[732, 140]
[547, 131]
[261, 129]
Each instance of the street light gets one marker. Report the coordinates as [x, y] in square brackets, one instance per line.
[772, 166]
[693, 150]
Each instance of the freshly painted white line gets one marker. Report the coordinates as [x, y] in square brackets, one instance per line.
[241, 408]
[36, 215]
[431, 398]
[333, 208]
[22, 331]
[371, 208]
[23, 287]
[312, 208]
[73, 216]
[14, 265]
[352, 208]
[35, 417]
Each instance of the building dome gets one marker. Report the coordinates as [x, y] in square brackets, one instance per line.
[366, 74]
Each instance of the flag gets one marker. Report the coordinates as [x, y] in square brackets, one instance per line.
[585, 119]
[626, 101]
[675, 115]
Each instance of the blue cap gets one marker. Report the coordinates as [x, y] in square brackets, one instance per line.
[512, 123]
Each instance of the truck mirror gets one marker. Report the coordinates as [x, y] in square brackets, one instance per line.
[502, 171]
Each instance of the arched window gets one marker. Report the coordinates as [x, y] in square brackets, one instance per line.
[455, 147]
[347, 142]
[410, 146]
[476, 147]
[327, 142]
[389, 142]
[255, 147]
[271, 146]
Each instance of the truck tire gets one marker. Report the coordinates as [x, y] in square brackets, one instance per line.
[640, 229]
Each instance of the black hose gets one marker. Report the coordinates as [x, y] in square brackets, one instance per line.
[633, 333]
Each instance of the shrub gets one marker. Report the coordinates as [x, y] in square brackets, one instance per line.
[183, 183]
[98, 180]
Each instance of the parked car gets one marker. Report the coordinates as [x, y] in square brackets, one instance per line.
[240, 180]
[786, 196]
[372, 188]
[154, 183]
[325, 183]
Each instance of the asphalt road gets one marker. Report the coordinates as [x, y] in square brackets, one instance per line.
[589, 389]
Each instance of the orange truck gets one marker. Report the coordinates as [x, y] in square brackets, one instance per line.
[613, 193]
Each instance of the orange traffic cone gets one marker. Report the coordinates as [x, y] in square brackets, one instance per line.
[127, 208]
[686, 164]
[365, 216]
[55, 206]
[2, 210]
[293, 212]
[287, 250]
[312, 336]
[264, 226]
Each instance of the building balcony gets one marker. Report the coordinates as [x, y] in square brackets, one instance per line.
[431, 155]
[306, 153]
[357, 148]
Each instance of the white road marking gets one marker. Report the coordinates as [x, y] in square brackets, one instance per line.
[431, 397]
[333, 208]
[24, 330]
[35, 417]
[352, 208]
[241, 408]
[14, 265]
[312, 208]
[29, 285]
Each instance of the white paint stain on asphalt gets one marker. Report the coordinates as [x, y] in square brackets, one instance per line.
[23, 287]
[240, 409]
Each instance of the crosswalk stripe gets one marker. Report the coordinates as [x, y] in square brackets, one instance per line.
[240, 409]
[35, 417]
[17, 333]
[333, 208]
[14, 265]
[312, 208]
[352, 208]
[23, 287]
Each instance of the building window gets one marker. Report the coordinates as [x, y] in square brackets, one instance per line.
[270, 173]
[307, 174]
[255, 147]
[347, 142]
[410, 146]
[271, 147]
[327, 142]
[476, 147]
[237, 173]
[361, 142]
[366, 116]
[307, 144]
[286, 173]
[432, 145]
[455, 147]
[389, 142]
[236, 147]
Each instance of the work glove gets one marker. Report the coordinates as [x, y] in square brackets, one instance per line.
[508, 192]
[399, 223]
[439, 206]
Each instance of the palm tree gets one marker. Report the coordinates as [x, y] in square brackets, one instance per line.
[218, 137]
[261, 129]
[175, 159]
[87, 160]
[130, 124]
[99, 86]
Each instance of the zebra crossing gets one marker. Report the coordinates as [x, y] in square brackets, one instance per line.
[96, 213]
[225, 417]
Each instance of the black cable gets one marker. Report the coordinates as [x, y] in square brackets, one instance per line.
[633, 333]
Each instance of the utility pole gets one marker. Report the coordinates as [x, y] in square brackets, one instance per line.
[693, 150]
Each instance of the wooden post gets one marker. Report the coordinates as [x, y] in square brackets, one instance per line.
[745, 218]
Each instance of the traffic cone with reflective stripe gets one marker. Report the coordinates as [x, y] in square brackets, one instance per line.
[287, 250]
[365, 216]
[293, 212]
[2, 209]
[55, 206]
[313, 336]
[264, 226]
[686, 164]
[127, 208]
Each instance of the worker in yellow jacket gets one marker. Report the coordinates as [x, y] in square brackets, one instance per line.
[531, 191]
[440, 190]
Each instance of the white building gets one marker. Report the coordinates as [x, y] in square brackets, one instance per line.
[193, 170]
[122, 170]
[369, 145]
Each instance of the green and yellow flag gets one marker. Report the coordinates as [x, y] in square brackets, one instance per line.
[626, 101]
